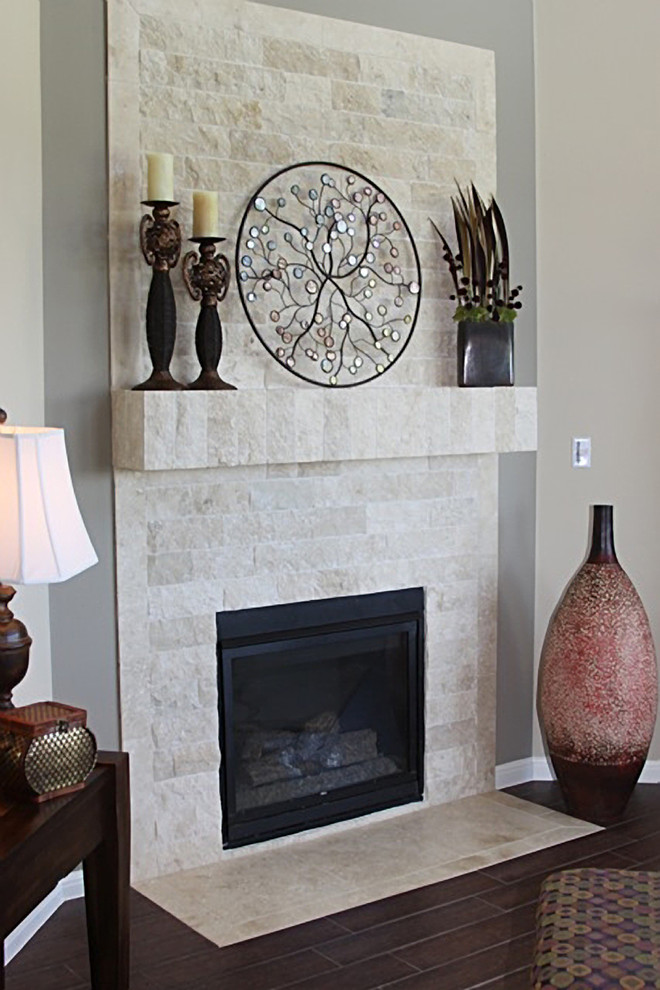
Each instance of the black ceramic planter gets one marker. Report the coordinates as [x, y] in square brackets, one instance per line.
[485, 353]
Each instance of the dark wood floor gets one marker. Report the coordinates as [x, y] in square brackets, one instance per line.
[471, 931]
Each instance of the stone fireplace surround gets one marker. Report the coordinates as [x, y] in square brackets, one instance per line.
[279, 492]
[267, 526]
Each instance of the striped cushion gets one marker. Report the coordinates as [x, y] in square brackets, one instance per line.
[598, 929]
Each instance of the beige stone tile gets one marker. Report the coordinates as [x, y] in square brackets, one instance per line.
[135, 693]
[240, 896]
[357, 97]
[237, 428]
[179, 633]
[190, 432]
[180, 36]
[281, 426]
[227, 930]
[123, 41]
[186, 681]
[159, 430]
[196, 11]
[127, 430]
[378, 163]
[474, 823]
[337, 443]
[433, 418]
[480, 145]
[305, 90]
[252, 592]
[525, 411]
[551, 837]
[356, 862]
[187, 819]
[461, 422]
[253, 884]
[273, 148]
[174, 136]
[483, 429]
[311, 59]
[505, 418]
[398, 418]
[309, 424]
[485, 102]
[549, 815]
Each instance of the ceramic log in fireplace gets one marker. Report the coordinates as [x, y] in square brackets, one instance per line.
[321, 712]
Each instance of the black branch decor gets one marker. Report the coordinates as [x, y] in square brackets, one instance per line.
[480, 266]
[328, 274]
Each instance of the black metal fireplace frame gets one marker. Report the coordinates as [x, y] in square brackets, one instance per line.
[239, 631]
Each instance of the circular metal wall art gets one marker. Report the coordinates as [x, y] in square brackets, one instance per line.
[328, 274]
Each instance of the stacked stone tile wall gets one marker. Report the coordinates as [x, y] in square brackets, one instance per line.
[193, 543]
[236, 91]
[281, 494]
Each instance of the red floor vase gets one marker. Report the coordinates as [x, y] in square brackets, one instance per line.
[598, 683]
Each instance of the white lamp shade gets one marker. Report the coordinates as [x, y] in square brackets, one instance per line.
[42, 536]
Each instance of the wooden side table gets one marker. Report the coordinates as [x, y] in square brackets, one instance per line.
[41, 844]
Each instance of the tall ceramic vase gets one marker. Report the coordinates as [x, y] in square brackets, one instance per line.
[598, 683]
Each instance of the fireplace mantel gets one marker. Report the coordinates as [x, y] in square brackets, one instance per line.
[167, 431]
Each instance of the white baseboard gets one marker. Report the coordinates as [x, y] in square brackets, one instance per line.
[67, 890]
[651, 772]
[510, 774]
[538, 768]
[520, 771]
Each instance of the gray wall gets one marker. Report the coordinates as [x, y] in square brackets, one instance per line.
[76, 342]
[76, 338]
[598, 332]
[515, 613]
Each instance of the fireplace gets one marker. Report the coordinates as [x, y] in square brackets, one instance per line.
[321, 712]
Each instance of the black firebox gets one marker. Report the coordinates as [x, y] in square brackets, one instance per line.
[321, 712]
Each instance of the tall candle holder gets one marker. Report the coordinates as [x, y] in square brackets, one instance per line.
[206, 276]
[160, 240]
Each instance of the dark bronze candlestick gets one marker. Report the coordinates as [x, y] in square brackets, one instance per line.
[207, 280]
[160, 240]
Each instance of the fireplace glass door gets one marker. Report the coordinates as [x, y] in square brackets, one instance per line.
[320, 711]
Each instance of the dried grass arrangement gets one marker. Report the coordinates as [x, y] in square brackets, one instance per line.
[480, 267]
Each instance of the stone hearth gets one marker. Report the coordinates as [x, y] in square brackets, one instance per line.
[276, 887]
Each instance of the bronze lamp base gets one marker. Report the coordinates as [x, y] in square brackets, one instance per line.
[14, 648]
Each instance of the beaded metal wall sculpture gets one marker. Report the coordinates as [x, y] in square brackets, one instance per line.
[328, 274]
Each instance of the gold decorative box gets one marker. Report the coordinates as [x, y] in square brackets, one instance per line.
[46, 750]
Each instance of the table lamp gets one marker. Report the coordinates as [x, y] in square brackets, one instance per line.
[42, 536]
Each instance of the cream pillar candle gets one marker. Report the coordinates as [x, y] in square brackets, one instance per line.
[160, 176]
[205, 214]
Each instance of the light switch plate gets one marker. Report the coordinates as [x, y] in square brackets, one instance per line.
[581, 452]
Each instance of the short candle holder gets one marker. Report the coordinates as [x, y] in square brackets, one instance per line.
[160, 240]
[206, 276]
